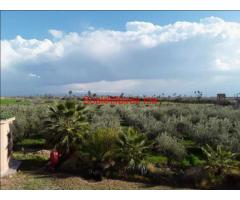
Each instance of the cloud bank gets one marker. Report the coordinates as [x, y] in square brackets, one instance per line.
[146, 58]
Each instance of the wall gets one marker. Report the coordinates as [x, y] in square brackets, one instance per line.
[4, 145]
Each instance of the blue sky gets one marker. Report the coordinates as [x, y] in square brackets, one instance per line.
[135, 52]
[32, 24]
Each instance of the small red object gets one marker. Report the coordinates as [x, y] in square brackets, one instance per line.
[54, 158]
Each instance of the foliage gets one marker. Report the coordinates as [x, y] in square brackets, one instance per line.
[156, 159]
[107, 145]
[65, 126]
[5, 115]
[170, 146]
[198, 94]
[28, 121]
[106, 150]
[97, 151]
[105, 120]
[219, 159]
[191, 160]
[132, 148]
[216, 131]
[200, 123]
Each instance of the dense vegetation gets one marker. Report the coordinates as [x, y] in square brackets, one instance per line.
[193, 144]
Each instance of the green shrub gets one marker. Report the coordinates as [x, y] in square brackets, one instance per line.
[28, 121]
[219, 159]
[195, 119]
[185, 163]
[105, 120]
[132, 149]
[5, 115]
[65, 126]
[156, 159]
[143, 121]
[214, 132]
[97, 151]
[170, 146]
[107, 150]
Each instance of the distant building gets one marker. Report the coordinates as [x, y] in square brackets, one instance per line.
[221, 96]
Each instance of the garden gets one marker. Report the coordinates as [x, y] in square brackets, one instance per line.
[168, 145]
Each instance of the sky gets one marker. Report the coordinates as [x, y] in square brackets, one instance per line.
[131, 52]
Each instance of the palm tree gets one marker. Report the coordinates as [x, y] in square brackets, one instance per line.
[219, 159]
[89, 93]
[96, 153]
[65, 126]
[198, 94]
[132, 147]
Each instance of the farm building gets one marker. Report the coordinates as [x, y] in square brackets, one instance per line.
[221, 97]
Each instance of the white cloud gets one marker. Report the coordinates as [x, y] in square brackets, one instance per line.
[56, 33]
[20, 51]
[144, 27]
[33, 75]
[228, 64]
[144, 51]
[211, 20]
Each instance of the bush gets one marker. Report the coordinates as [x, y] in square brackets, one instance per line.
[219, 159]
[170, 146]
[194, 160]
[97, 152]
[107, 150]
[143, 121]
[28, 121]
[105, 120]
[5, 115]
[213, 131]
[132, 149]
[156, 159]
[191, 160]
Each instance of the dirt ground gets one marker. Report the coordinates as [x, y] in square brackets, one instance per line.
[41, 180]
[33, 176]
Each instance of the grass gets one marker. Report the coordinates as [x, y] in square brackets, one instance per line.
[14, 101]
[31, 143]
[157, 159]
[34, 176]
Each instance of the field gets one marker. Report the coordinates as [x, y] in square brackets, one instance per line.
[163, 146]
[14, 101]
